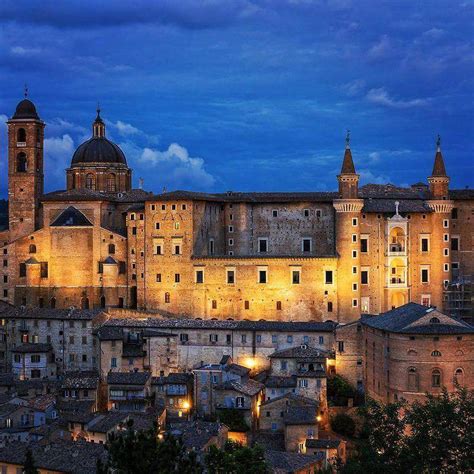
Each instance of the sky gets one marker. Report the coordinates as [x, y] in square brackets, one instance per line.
[246, 95]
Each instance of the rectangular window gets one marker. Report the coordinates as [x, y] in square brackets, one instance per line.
[213, 337]
[446, 223]
[295, 277]
[158, 277]
[199, 276]
[321, 340]
[177, 277]
[455, 244]
[259, 338]
[354, 286]
[44, 269]
[446, 267]
[445, 237]
[231, 242]
[354, 270]
[306, 212]
[262, 276]
[364, 277]
[354, 254]
[158, 250]
[244, 338]
[246, 304]
[454, 213]
[364, 244]
[231, 228]
[263, 245]
[329, 306]
[134, 231]
[306, 245]
[184, 337]
[365, 304]
[425, 244]
[426, 300]
[157, 225]
[177, 249]
[278, 305]
[340, 346]
[354, 238]
[22, 270]
[283, 365]
[275, 213]
[355, 303]
[211, 246]
[354, 222]
[328, 277]
[214, 304]
[446, 252]
[230, 277]
[425, 275]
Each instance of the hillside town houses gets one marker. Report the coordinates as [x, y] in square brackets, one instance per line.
[220, 317]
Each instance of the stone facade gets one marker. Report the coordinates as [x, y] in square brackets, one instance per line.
[280, 256]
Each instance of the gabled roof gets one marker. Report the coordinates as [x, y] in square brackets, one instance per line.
[281, 462]
[301, 415]
[128, 378]
[71, 217]
[300, 352]
[293, 399]
[323, 443]
[249, 387]
[88, 379]
[413, 318]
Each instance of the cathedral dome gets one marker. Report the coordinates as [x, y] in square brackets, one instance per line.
[26, 110]
[98, 149]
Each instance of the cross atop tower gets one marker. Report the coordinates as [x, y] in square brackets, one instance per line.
[26, 90]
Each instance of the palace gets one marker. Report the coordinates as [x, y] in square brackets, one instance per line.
[311, 256]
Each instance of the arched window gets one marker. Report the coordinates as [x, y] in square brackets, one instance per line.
[434, 321]
[111, 183]
[102, 301]
[167, 298]
[436, 378]
[52, 302]
[459, 376]
[21, 135]
[85, 303]
[90, 181]
[21, 162]
[412, 380]
[436, 354]
[111, 248]
[32, 248]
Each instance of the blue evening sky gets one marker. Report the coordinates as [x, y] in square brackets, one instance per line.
[217, 95]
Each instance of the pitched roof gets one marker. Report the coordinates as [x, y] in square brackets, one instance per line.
[196, 434]
[323, 443]
[42, 402]
[281, 462]
[71, 217]
[72, 457]
[128, 378]
[413, 318]
[106, 422]
[301, 415]
[438, 167]
[175, 378]
[348, 163]
[293, 399]
[273, 381]
[88, 379]
[132, 196]
[242, 325]
[388, 206]
[50, 313]
[249, 387]
[300, 352]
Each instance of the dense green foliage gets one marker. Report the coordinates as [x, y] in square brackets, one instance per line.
[340, 390]
[141, 452]
[29, 466]
[233, 419]
[343, 424]
[436, 435]
[234, 458]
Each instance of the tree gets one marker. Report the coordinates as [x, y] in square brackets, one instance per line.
[141, 452]
[234, 458]
[233, 419]
[343, 424]
[29, 465]
[436, 435]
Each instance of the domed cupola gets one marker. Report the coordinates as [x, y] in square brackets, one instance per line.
[99, 164]
[25, 110]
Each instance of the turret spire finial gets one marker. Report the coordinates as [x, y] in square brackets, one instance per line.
[26, 90]
[438, 142]
[348, 138]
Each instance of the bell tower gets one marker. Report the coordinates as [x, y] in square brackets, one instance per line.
[25, 168]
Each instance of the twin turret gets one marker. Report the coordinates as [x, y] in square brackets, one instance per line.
[349, 180]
